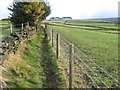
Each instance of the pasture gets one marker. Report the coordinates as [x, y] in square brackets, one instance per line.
[100, 46]
[96, 23]
[5, 29]
[102, 26]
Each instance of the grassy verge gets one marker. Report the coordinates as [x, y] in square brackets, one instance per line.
[23, 70]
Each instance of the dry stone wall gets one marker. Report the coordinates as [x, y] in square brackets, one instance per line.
[11, 43]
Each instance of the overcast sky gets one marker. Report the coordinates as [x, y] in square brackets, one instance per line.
[77, 9]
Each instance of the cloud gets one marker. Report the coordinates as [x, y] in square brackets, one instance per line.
[84, 8]
[4, 4]
[74, 8]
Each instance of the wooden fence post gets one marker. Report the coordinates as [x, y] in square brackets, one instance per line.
[71, 65]
[45, 31]
[22, 25]
[11, 30]
[45, 26]
[52, 37]
[58, 46]
[28, 24]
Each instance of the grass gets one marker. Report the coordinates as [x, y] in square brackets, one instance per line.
[30, 66]
[5, 29]
[23, 69]
[4, 32]
[4, 23]
[103, 25]
[94, 23]
[51, 66]
[109, 31]
[101, 47]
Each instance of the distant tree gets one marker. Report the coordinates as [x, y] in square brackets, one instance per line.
[5, 19]
[31, 12]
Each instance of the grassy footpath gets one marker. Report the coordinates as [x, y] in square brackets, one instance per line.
[29, 66]
[51, 66]
[101, 47]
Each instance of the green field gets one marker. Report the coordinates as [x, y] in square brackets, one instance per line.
[99, 46]
[94, 23]
[4, 23]
[5, 29]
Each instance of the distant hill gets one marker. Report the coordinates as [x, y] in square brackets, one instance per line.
[108, 19]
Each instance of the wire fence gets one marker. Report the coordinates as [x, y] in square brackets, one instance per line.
[80, 70]
[8, 29]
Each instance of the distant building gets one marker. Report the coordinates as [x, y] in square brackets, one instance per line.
[54, 18]
[66, 18]
[63, 18]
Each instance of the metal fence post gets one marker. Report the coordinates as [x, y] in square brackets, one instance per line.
[11, 30]
[22, 25]
[71, 65]
[58, 46]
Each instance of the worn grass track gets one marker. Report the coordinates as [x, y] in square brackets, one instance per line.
[54, 76]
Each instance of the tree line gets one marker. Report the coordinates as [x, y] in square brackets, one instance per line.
[32, 12]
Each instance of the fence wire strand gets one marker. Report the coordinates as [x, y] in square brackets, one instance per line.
[96, 65]
[92, 71]
[86, 72]
[80, 66]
